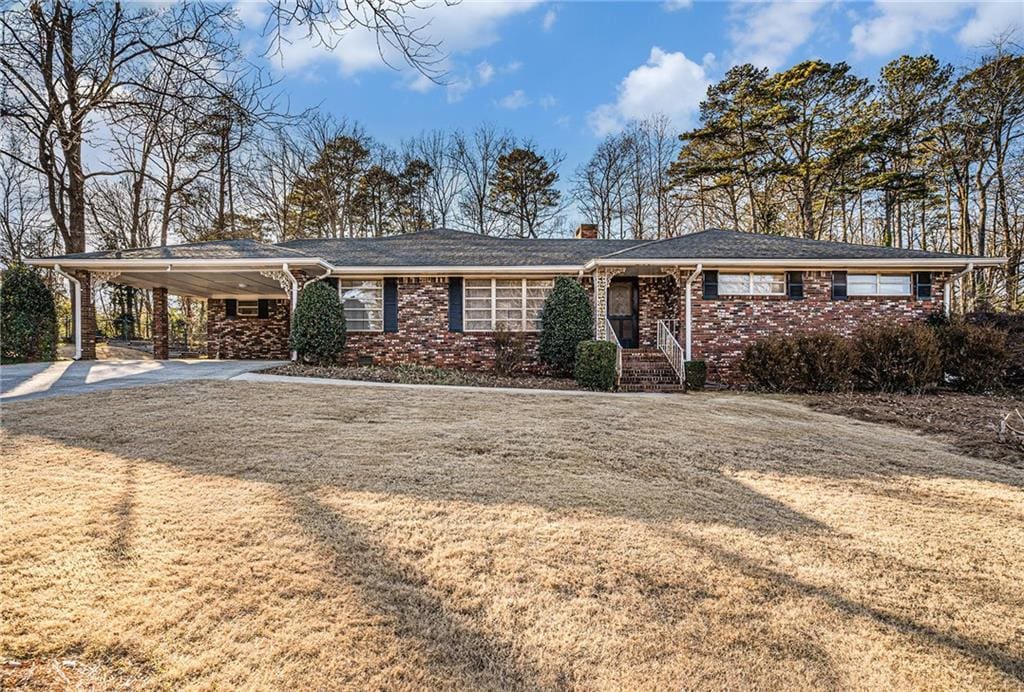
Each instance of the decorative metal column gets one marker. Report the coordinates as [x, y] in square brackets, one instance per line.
[602, 278]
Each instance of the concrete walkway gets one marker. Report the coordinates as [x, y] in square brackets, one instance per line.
[64, 378]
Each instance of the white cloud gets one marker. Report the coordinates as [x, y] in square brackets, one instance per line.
[511, 67]
[990, 20]
[673, 5]
[547, 102]
[563, 121]
[668, 83]
[460, 28]
[766, 34]
[251, 13]
[514, 101]
[484, 72]
[897, 26]
[548, 22]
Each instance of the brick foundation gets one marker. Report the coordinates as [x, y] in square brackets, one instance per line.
[248, 338]
[722, 328]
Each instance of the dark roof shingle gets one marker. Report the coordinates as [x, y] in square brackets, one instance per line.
[212, 249]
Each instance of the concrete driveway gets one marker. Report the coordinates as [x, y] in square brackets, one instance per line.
[64, 378]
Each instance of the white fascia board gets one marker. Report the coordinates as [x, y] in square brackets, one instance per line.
[545, 270]
[128, 264]
[795, 263]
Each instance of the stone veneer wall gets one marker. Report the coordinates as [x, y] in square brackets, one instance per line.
[248, 338]
[722, 328]
[423, 337]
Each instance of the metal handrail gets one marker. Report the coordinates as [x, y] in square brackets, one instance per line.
[610, 335]
[669, 345]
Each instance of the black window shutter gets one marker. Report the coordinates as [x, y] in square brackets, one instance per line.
[838, 285]
[923, 285]
[230, 307]
[455, 304]
[391, 305]
[710, 284]
[795, 285]
[264, 308]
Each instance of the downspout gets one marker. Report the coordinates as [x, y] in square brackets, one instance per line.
[947, 290]
[78, 309]
[295, 297]
[689, 321]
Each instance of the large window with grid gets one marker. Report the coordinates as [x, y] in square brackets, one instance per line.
[363, 300]
[514, 304]
[878, 285]
[751, 284]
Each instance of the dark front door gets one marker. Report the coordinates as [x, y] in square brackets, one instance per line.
[624, 310]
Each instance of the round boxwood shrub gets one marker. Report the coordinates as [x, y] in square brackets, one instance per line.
[827, 362]
[975, 357]
[28, 317]
[595, 365]
[897, 358]
[566, 321]
[696, 374]
[772, 364]
[318, 325]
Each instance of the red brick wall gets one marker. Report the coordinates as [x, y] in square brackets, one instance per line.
[423, 337]
[248, 338]
[723, 328]
[658, 301]
[160, 324]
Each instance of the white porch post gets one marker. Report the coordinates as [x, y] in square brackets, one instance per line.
[294, 296]
[689, 311]
[78, 308]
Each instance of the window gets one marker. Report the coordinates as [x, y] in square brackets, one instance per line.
[752, 284]
[878, 284]
[247, 308]
[515, 304]
[364, 304]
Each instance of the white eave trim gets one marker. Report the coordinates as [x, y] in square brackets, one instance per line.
[128, 264]
[796, 263]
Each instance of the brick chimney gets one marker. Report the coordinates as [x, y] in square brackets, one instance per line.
[587, 231]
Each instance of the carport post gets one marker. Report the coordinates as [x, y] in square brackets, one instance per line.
[78, 308]
[161, 340]
[295, 298]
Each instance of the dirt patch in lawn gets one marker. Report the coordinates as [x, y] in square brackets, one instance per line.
[239, 535]
[969, 422]
[418, 374]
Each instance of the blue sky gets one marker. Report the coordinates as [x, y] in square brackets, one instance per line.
[566, 73]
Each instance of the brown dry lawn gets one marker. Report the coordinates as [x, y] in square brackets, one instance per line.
[218, 534]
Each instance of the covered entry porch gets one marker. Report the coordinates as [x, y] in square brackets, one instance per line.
[645, 312]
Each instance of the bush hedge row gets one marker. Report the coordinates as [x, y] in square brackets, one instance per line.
[881, 357]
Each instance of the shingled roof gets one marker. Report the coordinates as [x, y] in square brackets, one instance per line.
[721, 244]
[449, 248]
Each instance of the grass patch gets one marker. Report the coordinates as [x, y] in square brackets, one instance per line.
[272, 536]
[420, 374]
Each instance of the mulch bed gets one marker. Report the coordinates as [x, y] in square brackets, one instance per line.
[415, 374]
[969, 422]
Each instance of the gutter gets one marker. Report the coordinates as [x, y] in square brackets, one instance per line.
[78, 309]
[796, 263]
[947, 290]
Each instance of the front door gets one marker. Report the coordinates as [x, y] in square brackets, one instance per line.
[624, 310]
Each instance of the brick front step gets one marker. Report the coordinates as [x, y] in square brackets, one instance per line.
[647, 370]
[652, 389]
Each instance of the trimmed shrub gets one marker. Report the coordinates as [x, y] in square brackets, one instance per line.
[567, 320]
[974, 357]
[772, 364]
[897, 358]
[595, 365]
[509, 351]
[318, 325]
[28, 317]
[827, 363]
[1012, 323]
[696, 374]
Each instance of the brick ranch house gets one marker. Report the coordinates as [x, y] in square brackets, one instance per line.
[436, 297]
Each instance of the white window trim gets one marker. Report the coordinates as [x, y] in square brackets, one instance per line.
[524, 320]
[878, 286]
[255, 312]
[341, 297]
[750, 283]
